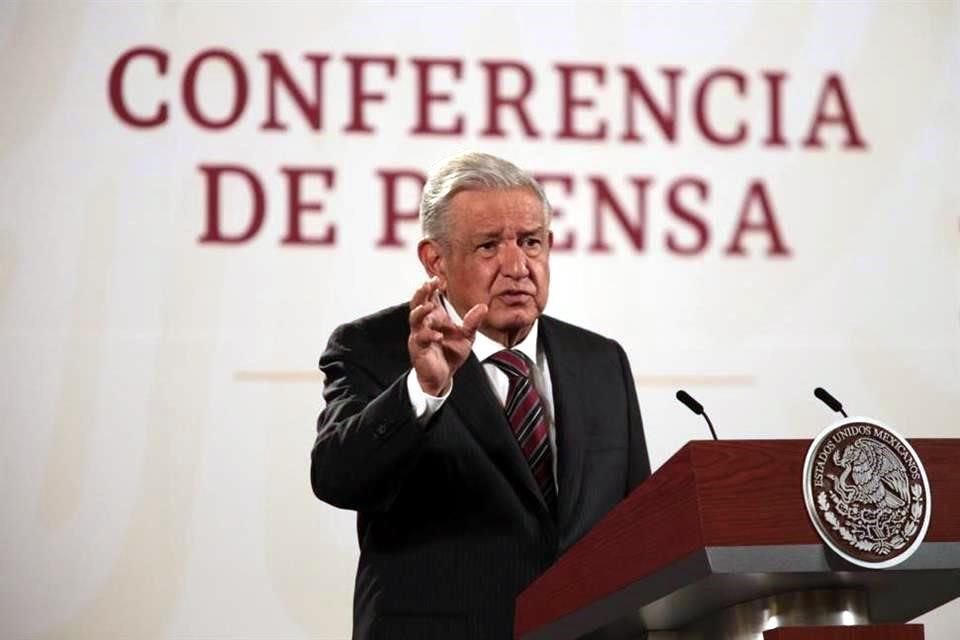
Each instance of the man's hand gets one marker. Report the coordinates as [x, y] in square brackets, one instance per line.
[437, 346]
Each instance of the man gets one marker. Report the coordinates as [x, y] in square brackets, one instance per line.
[476, 438]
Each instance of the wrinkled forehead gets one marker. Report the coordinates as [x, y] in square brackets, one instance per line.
[486, 210]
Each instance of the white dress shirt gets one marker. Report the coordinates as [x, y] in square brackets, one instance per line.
[425, 405]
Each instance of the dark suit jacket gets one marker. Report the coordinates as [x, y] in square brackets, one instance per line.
[450, 523]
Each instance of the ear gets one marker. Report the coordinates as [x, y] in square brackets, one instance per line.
[432, 258]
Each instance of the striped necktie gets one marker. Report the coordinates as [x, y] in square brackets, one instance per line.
[524, 409]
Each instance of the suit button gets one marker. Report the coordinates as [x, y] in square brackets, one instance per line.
[382, 430]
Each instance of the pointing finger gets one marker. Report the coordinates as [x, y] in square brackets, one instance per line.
[419, 296]
[424, 292]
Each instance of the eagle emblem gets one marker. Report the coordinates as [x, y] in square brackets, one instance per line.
[867, 493]
[872, 474]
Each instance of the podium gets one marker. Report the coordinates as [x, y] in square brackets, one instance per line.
[717, 544]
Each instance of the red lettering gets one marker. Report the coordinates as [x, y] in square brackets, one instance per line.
[426, 97]
[688, 216]
[569, 102]
[359, 95]
[115, 87]
[700, 110]
[190, 88]
[833, 86]
[757, 192]
[566, 183]
[603, 198]
[213, 233]
[496, 99]
[296, 205]
[393, 214]
[277, 73]
[774, 135]
[666, 118]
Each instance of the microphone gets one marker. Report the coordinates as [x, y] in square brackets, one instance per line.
[697, 408]
[827, 399]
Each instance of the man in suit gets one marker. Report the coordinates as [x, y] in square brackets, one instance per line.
[476, 438]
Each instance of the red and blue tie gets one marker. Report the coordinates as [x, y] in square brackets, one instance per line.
[525, 414]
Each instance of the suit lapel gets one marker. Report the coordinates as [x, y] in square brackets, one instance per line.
[478, 407]
[569, 407]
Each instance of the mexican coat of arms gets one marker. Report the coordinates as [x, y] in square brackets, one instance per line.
[866, 492]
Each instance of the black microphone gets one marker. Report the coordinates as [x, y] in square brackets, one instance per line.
[697, 408]
[829, 400]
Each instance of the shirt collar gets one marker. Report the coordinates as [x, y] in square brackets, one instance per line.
[484, 347]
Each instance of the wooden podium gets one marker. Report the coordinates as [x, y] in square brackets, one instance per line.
[717, 544]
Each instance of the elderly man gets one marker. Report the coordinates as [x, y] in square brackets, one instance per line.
[476, 438]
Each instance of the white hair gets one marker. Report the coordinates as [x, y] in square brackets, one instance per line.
[465, 172]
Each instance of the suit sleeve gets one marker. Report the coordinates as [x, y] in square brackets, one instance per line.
[368, 437]
[639, 461]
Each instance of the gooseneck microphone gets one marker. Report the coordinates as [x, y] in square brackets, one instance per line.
[697, 408]
[827, 399]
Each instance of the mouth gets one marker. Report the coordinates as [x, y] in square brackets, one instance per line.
[513, 298]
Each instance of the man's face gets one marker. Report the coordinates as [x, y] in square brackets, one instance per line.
[498, 253]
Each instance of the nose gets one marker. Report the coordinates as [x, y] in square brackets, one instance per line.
[513, 262]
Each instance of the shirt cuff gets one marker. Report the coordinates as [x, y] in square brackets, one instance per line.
[424, 405]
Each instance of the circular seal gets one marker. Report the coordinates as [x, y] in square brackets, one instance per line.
[866, 492]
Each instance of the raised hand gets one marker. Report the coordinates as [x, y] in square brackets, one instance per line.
[437, 345]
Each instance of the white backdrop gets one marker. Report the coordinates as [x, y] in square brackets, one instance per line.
[159, 393]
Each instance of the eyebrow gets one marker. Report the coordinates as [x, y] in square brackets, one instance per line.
[497, 233]
[533, 232]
